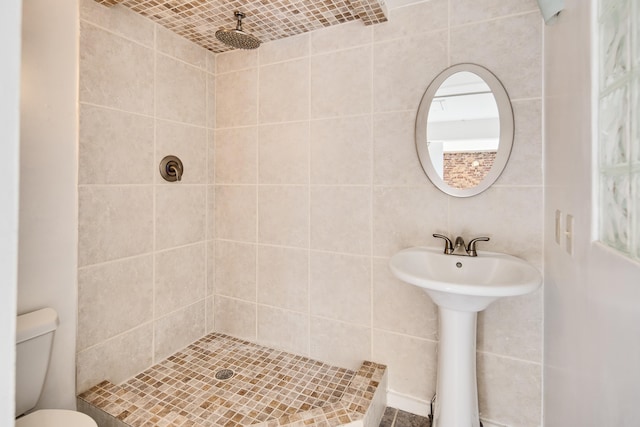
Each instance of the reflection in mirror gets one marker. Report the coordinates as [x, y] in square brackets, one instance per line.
[464, 130]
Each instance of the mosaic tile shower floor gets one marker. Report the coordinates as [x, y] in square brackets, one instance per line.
[268, 388]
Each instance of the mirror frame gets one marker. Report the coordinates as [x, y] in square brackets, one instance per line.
[505, 112]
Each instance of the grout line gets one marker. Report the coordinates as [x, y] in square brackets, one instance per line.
[256, 180]
[118, 335]
[308, 185]
[139, 114]
[372, 166]
[506, 356]
[155, 181]
[496, 18]
[140, 255]
[430, 340]
[152, 184]
[206, 203]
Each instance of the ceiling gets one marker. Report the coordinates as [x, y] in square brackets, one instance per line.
[198, 20]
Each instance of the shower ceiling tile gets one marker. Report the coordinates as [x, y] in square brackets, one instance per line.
[198, 20]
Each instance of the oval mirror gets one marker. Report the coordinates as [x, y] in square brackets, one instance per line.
[464, 130]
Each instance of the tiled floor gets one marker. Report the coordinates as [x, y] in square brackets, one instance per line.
[397, 418]
[224, 381]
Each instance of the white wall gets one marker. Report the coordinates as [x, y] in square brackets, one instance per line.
[48, 174]
[592, 298]
[9, 118]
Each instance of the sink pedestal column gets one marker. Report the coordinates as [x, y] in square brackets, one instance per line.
[456, 403]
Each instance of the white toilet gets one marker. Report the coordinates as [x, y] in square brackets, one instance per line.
[34, 338]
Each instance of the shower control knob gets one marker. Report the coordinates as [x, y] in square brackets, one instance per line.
[171, 168]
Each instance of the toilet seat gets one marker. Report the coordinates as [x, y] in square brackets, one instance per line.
[56, 418]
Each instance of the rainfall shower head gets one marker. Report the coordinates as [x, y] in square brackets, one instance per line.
[236, 37]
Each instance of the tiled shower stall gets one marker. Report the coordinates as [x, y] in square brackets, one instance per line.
[300, 181]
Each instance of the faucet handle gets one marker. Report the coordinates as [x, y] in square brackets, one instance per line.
[448, 244]
[471, 248]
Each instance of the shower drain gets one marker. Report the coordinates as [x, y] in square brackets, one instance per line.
[224, 374]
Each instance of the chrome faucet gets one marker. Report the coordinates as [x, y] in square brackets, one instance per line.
[459, 248]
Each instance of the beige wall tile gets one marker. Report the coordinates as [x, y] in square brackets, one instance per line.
[184, 99]
[466, 11]
[342, 36]
[341, 219]
[341, 83]
[510, 47]
[236, 156]
[237, 98]
[284, 92]
[235, 212]
[283, 277]
[211, 218]
[402, 71]
[211, 62]
[120, 20]
[283, 215]
[114, 222]
[509, 390]
[283, 329]
[115, 72]
[235, 60]
[211, 101]
[179, 278]
[340, 287]
[210, 315]
[115, 147]
[113, 298]
[189, 143]
[211, 268]
[407, 216]
[284, 49]
[415, 19]
[525, 163]
[104, 361]
[394, 152]
[211, 152]
[283, 153]
[180, 48]
[341, 151]
[341, 344]
[235, 317]
[180, 214]
[411, 363]
[513, 327]
[178, 329]
[236, 270]
[401, 307]
[509, 216]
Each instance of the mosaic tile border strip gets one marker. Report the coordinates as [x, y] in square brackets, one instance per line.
[271, 389]
[198, 20]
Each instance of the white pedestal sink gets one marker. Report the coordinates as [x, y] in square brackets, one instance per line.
[461, 286]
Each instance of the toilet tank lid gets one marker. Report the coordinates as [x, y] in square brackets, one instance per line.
[36, 323]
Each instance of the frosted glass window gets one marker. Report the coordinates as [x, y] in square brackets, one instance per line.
[619, 124]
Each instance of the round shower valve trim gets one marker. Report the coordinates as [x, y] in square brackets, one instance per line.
[171, 168]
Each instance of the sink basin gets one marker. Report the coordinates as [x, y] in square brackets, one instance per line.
[465, 283]
[461, 286]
